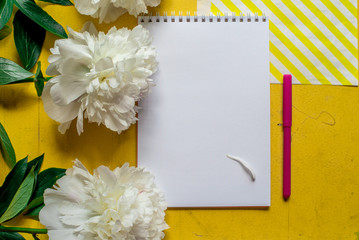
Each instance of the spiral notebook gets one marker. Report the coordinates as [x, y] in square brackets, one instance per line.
[211, 99]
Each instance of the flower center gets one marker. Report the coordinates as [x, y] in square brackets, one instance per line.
[103, 75]
[104, 68]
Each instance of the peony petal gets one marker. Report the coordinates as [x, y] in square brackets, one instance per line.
[136, 7]
[74, 214]
[102, 12]
[126, 104]
[52, 69]
[61, 114]
[107, 176]
[77, 67]
[78, 164]
[108, 205]
[89, 27]
[109, 13]
[109, 10]
[80, 121]
[67, 234]
[68, 89]
[115, 123]
[152, 3]
[79, 37]
[103, 64]
[49, 216]
[100, 76]
[113, 83]
[52, 196]
[55, 63]
[64, 126]
[84, 8]
[74, 50]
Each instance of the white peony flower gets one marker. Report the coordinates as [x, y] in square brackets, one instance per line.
[120, 204]
[109, 10]
[99, 76]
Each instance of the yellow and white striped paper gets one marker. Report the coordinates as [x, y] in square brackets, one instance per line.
[314, 40]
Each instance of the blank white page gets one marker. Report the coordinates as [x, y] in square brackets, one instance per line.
[211, 98]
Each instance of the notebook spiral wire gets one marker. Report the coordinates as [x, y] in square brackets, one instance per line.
[234, 17]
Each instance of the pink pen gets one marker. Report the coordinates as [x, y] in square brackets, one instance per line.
[287, 124]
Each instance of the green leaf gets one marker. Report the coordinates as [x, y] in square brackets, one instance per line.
[7, 151]
[6, 7]
[29, 38]
[21, 198]
[30, 9]
[46, 179]
[11, 184]
[5, 31]
[39, 80]
[10, 72]
[34, 213]
[10, 236]
[34, 207]
[34, 204]
[36, 163]
[60, 2]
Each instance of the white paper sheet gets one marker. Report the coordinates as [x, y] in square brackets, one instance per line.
[211, 99]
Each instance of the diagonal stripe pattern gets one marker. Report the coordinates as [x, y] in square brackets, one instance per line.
[316, 41]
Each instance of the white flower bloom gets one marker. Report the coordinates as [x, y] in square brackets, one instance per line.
[109, 10]
[120, 204]
[99, 76]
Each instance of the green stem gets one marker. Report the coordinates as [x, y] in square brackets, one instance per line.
[29, 80]
[23, 230]
[23, 81]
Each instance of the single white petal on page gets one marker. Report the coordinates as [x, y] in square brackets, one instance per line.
[244, 165]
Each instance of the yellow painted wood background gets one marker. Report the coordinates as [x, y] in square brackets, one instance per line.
[325, 156]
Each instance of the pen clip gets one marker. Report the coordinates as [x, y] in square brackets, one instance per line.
[287, 100]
